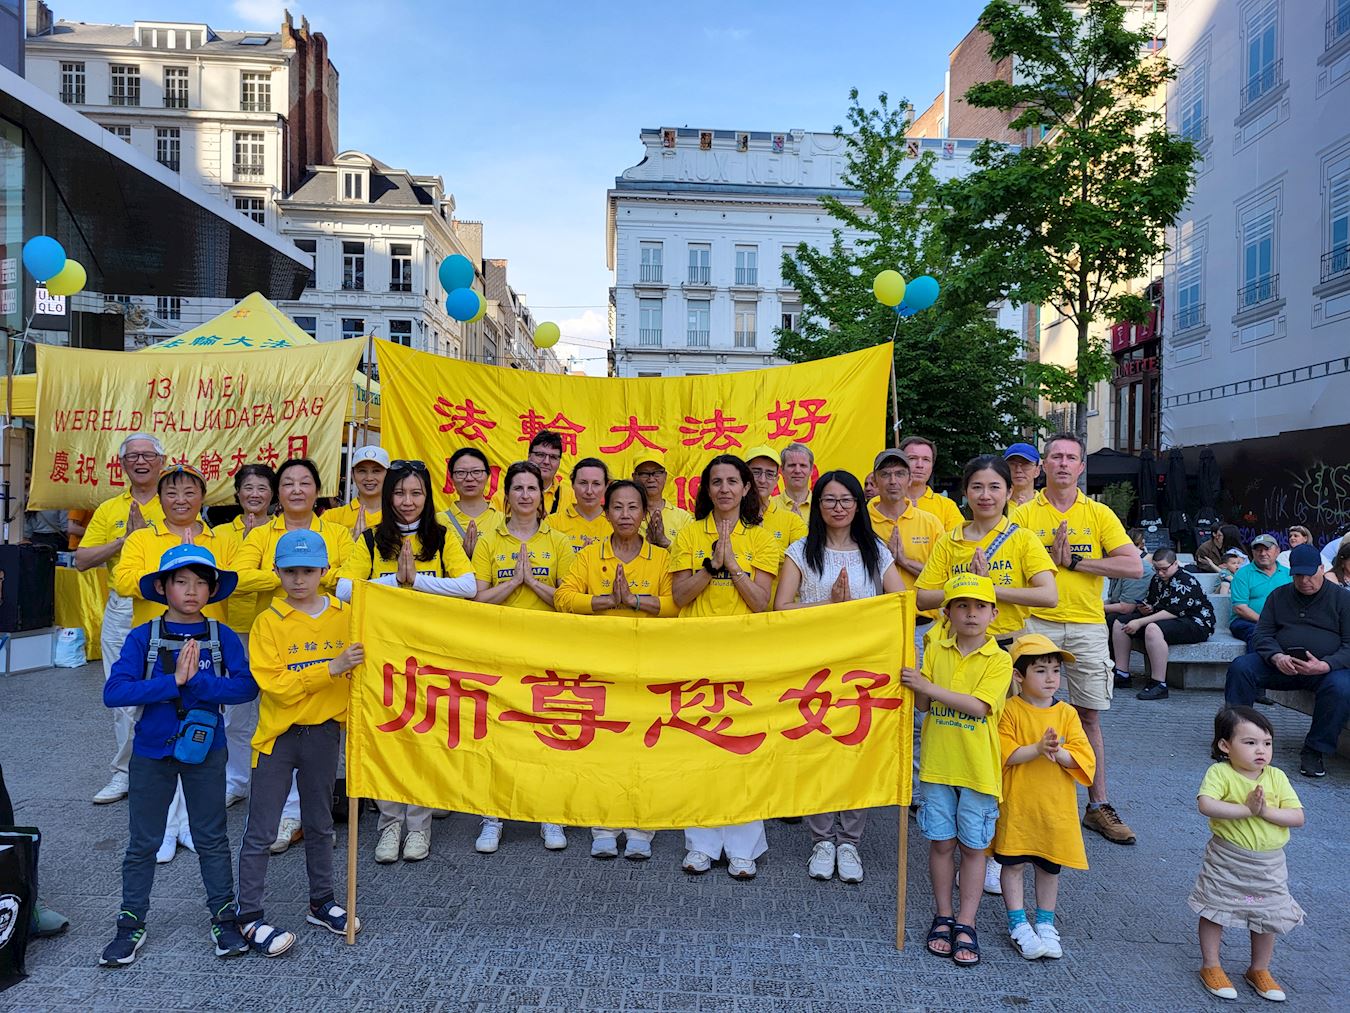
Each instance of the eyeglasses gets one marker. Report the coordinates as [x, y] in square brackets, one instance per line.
[142, 455]
[409, 465]
[544, 455]
[460, 476]
[653, 473]
[764, 472]
[838, 502]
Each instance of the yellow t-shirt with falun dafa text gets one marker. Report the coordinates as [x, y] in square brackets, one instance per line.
[578, 529]
[141, 554]
[919, 533]
[109, 522]
[592, 574]
[498, 551]
[1094, 533]
[956, 748]
[754, 547]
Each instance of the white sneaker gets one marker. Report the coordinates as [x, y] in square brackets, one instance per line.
[234, 798]
[288, 833]
[386, 849]
[1050, 937]
[992, 883]
[185, 839]
[741, 868]
[1028, 943]
[821, 865]
[416, 846]
[114, 791]
[605, 847]
[167, 849]
[696, 862]
[489, 836]
[850, 864]
[554, 838]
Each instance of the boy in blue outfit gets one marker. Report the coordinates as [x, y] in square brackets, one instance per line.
[181, 676]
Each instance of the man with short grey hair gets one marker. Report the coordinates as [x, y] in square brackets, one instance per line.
[140, 460]
[798, 463]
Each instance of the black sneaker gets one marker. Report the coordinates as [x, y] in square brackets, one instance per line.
[230, 942]
[130, 938]
[1153, 691]
[1123, 679]
[1310, 764]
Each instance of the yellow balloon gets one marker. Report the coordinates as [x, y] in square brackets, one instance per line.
[546, 335]
[70, 280]
[889, 288]
[482, 308]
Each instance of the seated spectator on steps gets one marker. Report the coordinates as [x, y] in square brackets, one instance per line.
[1332, 547]
[1175, 611]
[1209, 556]
[1251, 586]
[1297, 535]
[1124, 593]
[1302, 641]
[1339, 571]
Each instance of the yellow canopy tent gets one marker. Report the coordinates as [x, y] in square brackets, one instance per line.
[251, 325]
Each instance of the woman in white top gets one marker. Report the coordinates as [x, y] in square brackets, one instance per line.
[840, 559]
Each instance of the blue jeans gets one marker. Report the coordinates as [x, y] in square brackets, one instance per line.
[1243, 630]
[963, 813]
[151, 788]
[1250, 674]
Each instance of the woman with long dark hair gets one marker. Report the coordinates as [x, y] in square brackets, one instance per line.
[471, 512]
[723, 563]
[1209, 554]
[840, 559]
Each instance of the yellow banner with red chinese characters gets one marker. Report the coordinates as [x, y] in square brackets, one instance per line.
[214, 410]
[649, 723]
[433, 406]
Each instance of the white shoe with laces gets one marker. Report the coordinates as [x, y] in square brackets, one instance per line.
[992, 883]
[1028, 943]
[1050, 937]
[696, 862]
[167, 849]
[416, 846]
[821, 865]
[288, 833]
[741, 868]
[114, 791]
[489, 836]
[386, 849]
[849, 864]
[554, 837]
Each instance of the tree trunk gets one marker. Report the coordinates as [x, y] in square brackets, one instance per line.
[1080, 423]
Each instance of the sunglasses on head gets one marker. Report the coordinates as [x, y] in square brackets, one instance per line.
[409, 465]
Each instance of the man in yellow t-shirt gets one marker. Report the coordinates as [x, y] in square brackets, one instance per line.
[910, 533]
[1088, 544]
[922, 456]
[546, 453]
[141, 457]
[650, 473]
[798, 462]
[783, 523]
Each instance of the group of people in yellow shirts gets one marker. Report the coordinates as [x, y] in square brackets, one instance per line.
[601, 545]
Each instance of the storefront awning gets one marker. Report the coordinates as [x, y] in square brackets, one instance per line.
[148, 230]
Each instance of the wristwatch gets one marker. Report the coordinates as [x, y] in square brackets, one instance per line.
[1074, 560]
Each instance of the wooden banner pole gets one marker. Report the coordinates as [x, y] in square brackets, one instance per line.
[353, 825]
[908, 660]
[901, 883]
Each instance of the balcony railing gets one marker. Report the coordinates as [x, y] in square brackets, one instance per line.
[696, 339]
[264, 106]
[1259, 292]
[1263, 82]
[248, 169]
[1335, 263]
[650, 337]
[357, 284]
[72, 96]
[133, 99]
[1196, 130]
[649, 272]
[175, 101]
[747, 276]
[745, 339]
[699, 275]
[1338, 26]
[169, 163]
[1191, 316]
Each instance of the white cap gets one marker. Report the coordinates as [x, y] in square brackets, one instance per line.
[375, 455]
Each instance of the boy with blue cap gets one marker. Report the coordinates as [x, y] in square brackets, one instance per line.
[179, 688]
[302, 662]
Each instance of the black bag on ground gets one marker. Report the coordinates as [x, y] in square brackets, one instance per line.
[18, 897]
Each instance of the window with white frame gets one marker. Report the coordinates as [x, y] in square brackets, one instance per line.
[699, 323]
[311, 247]
[168, 147]
[248, 154]
[1194, 125]
[1338, 21]
[353, 266]
[1336, 259]
[124, 88]
[789, 253]
[353, 327]
[1258, 231]
[746, 324]
[310, 325]
[353, 186]
[122, 130]
[175, 87]
[1191, 279]
[400, 332]
[1262, 57]
[169, 307]
[650, 267]
[747, 265]
[72, 83]
[255, 92]
[791, 316]
[649, 322]
[700, 264]
[252, 207]
[400, 267]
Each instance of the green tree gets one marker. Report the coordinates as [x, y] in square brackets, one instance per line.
[961, 381]
[1069, 221]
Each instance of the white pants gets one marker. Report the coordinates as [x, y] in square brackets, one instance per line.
[176, 823]
[413, 817]
[116, 626]
[633, 835]
[742, 840]
[241, 721]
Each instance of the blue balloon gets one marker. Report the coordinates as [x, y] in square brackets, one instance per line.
[44, 257]
[905, 311]
[456, 272]
[462, 304]
[921, 293]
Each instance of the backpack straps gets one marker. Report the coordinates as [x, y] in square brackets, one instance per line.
[156, 642]
[214, 647]
[369, 537]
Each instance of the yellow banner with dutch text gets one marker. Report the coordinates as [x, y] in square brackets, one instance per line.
[647, 723]
[434, 405]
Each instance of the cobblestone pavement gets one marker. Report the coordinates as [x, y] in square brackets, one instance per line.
[528, 928]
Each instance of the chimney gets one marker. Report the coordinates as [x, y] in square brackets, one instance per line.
[39, 21]
[287, 31]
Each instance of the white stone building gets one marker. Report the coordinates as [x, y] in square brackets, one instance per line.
[695, 236]
[1257, 289]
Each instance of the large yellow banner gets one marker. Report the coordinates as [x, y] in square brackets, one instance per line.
[216, 410]
[660, 723]
[433, 406]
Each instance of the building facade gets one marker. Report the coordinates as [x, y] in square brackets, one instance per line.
[696, 233]
[1258, 285]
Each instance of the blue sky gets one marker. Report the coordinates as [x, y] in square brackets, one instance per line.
[529, 110]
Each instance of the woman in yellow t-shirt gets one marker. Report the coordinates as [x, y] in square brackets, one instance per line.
[471, 512]
[724, 562]
[991, 546]
[583, 520]
[519, 564]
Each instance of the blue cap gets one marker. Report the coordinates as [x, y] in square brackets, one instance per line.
[1023, 450]
[188, 555]
[301, 548]
[1304, 560]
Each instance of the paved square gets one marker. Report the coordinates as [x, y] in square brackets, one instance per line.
[528, 928]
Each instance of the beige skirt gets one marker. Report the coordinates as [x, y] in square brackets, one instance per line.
[1244, 889]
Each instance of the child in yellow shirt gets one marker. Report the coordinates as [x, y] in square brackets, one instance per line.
[301, 660]
[1046, 755]
[962, 689]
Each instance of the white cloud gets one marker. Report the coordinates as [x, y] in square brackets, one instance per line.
[589, 339]
[263, 13]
